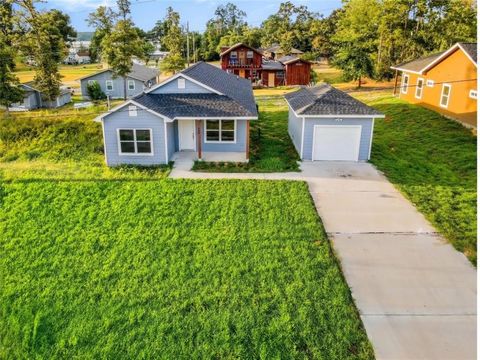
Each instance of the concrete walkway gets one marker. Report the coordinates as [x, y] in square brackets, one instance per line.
[416, 295]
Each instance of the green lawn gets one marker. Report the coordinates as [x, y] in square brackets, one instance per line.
[433, 160]
[170, 269]
[271, 149]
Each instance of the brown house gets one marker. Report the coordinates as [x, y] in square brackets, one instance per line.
[242, 60]
[247, 62]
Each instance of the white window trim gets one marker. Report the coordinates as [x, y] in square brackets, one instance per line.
[132, 110]
[404, 86]
[181, 83]
[418, 88]
[151, 153]
[128, 84]
[236, 54]
[472, 94]
[430, 83]
[106, 85]
[220, 132]
[448, 97]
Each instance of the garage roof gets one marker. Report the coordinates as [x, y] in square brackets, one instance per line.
[326, 100]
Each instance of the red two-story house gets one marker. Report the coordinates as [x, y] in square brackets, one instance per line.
[242, 60]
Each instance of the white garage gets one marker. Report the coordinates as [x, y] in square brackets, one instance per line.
[326, 124]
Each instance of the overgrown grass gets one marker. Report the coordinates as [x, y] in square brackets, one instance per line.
[69, 73]
[433, 160]
[271, 149]
[170, 269]
[60, 144]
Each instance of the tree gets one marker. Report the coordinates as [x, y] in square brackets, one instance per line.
[10, 92]
[173, 41]
[44, 42]
[102, 20]
[62, 22]
[122, 44]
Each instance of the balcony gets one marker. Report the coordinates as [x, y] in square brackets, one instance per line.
[240, 63]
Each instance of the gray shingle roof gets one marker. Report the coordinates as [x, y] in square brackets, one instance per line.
[276, 47]
[326, 100]
[470, 49]
[234, 87]
[272, 65]
[418, 64]
[192, 105]
[286, 58]
[139, 72]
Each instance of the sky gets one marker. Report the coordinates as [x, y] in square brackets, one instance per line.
[197, 12]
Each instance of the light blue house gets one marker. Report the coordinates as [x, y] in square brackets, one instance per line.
[35, 99]
[202, 111]
[139, 79]
[328, 124]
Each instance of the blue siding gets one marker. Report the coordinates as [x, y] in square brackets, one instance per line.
[118, 85]
[365, 139]
[171, 87]
[239, 146]
[143, 120]
[295, 129]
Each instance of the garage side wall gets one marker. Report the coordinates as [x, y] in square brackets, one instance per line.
[295, 129]
[365, 139]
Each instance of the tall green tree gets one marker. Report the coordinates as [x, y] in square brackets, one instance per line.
[62, 22]
[122, 44]
[44, 41]
[102, 19]
[173, 41]
[10, 92]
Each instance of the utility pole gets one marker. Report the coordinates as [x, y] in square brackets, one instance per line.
[194, 50]
[188, 48]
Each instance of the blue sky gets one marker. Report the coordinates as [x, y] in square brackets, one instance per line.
[197, 12]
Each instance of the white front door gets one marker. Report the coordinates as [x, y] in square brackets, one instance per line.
[336, 142]
[186, 134]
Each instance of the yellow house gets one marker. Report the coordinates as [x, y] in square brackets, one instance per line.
[445, 82]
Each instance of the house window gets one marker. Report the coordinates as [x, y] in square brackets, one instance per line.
[91, 82]
[135, 141]
[220, 130]
[405, 83]
[419, 88]
[445, 96]
[132, 110]
[430, 83]
[131, 84]
[280, 74]
[233, 55]
[181, 83]
[109, 85]
[472, 94]
[249, 54]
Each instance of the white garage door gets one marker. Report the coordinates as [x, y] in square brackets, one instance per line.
[336, 142]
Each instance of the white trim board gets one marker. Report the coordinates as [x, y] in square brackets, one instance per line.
[151, 153]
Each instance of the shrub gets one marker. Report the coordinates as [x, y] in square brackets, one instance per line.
[95, 92]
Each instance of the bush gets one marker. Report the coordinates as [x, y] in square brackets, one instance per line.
[95, 92]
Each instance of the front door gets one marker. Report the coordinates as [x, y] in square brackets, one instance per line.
[186, 134]
[271, 79]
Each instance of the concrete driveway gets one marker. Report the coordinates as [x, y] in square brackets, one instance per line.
[416, 295]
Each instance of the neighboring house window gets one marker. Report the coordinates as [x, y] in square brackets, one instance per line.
[445, 96]
[181, 83]
[135, 141]
[233, 55]
[220, 130]
[91, 82]
[279, 74]
[109, 85]
[419, 88]
[405, 83]
[250, 54]
[472, 94]
[132, 110]
[131, 84]
[430, 83]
